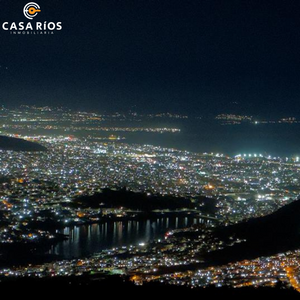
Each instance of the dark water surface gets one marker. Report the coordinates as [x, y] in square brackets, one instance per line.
[271, 139]
[279, 139]
[88, 239]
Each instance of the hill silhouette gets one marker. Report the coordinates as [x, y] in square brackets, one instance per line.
[132, 200]
[268, 235]
[141, 201]
[16, 144]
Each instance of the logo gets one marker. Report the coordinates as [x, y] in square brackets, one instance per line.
[31, 10]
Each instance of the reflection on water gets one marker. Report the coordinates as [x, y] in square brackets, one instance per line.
[87, 239]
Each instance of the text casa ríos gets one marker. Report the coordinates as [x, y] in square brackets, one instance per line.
[29, 26]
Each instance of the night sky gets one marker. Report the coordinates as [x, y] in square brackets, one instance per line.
[200, 56]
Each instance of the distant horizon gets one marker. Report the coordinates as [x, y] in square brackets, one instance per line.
[143, 111]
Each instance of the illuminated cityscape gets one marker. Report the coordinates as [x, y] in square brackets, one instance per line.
[150, 148]
[40, 192]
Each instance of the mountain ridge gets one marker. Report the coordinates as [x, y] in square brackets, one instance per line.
[17, 144]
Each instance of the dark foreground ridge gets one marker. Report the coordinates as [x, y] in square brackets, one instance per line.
[15, 144]
[119, 285]
[265, 236]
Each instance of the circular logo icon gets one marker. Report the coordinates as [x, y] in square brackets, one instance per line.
[31, 9]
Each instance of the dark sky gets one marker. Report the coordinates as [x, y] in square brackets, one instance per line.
[157, 55]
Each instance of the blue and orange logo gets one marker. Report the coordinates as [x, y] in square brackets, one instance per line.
[31, 10]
